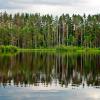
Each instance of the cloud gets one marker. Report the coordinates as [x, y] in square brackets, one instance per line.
[51, 2]
[51, 6]
[8, 4]
[13, 4]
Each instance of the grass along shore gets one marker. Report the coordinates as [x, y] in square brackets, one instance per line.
[62, 48]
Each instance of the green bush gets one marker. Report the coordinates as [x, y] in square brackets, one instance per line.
[7, 49]
[67, 48]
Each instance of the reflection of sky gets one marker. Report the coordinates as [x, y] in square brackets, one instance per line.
[29, 93]
[54, 90]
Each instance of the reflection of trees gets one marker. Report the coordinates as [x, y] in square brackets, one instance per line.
[33, 68]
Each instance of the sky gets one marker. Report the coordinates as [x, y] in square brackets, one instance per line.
[55, 7]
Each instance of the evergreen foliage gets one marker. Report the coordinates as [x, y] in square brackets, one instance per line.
[36, 31]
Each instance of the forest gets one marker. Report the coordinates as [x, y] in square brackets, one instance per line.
[45, 31]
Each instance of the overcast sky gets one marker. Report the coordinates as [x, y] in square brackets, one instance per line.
[55, 7]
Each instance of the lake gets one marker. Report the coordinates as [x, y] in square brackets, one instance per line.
[50, 76]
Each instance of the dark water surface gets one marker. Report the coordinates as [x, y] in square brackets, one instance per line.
[45, 76]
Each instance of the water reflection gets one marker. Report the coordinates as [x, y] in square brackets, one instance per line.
[27, 69]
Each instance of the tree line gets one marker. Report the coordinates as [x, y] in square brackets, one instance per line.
[35, 31]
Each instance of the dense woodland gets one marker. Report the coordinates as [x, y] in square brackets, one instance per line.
[36, 31]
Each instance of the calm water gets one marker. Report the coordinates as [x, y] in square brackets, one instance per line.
[45, 76]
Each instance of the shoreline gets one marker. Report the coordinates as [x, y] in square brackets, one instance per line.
[57, 49]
